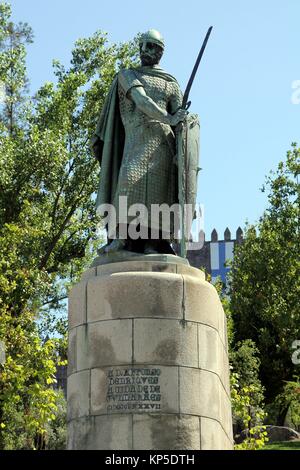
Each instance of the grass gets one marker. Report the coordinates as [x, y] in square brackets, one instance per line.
[284, 445]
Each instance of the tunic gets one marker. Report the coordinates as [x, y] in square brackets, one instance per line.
[148, 174]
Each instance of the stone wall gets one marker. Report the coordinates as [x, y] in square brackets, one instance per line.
[215, 253]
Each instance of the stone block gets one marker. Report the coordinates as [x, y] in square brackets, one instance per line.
[72, 351]
[209, 348]
[212, 354]
[129, 295]
[225, 334]
[201, 302]
[199, 392]
[190, 271]
[123, 267]
[110, 343]
[82, 347]
[77, 305]
[111, 433]
[225, 370]
[79, 432]
[164, 267]
[78, 394]
[88, 274]
[136, 266]
[100, 433]
[166, 432]
[165, 342]
[99, 391]
[225, 413]
[213, 436]
[189, 392]
[222, 327]
[228, 444]
[165, 388]
[169, 389]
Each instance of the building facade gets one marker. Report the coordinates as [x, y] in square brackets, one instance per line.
[215, 254]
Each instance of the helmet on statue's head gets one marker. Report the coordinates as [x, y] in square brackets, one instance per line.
[154, 37]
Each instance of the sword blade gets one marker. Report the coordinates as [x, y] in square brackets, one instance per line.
[190, 82]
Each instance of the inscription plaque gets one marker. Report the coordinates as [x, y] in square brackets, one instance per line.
[133, 389]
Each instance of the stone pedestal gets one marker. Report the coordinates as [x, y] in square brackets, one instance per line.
[148, 364]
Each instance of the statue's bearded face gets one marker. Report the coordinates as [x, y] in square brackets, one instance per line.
[150, 53]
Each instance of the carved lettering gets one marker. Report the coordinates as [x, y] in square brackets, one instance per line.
[133, 389]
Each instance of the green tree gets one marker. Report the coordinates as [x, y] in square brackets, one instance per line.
[48, 226]
[247, 392]
[251, 417]
[291, 397]
[247, 395]
[57, 428]
[265, 286]
[244, 359]
[13, 41]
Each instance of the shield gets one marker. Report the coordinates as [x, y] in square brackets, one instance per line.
[188, 136]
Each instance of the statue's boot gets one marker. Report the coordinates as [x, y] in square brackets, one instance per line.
[158, 246]
[149, 249]
[166, 247]
[115, 245]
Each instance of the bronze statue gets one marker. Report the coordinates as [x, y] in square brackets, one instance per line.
[135, 143]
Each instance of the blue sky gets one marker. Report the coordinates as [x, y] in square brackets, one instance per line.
[243, 90]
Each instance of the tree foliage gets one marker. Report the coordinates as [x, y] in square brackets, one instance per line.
[244, 358]
[264, 285]
[288, 403]
[252, 417]
[48, 226]
[247, 392]
[13, 41]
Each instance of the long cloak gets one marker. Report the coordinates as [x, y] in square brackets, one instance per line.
[109, 138]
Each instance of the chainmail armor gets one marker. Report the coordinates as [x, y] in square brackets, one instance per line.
[148, 173]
